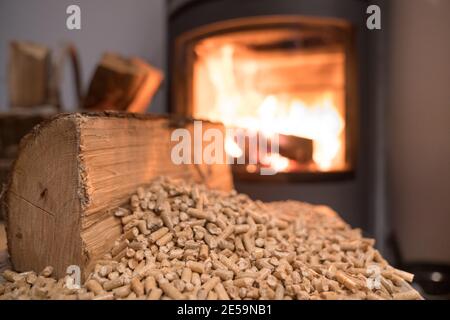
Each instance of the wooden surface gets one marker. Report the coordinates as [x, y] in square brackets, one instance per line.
[72, 170]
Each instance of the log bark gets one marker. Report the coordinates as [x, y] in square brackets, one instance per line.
[71, 171]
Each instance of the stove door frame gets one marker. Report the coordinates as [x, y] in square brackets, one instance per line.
[181, 83]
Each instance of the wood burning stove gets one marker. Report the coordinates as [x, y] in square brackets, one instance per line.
[293, 75]
[356, 81]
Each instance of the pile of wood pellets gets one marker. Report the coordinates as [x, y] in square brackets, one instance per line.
[184, 241]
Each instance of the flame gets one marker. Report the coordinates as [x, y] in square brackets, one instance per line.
[276, 162]
[232, 148]
[238, 103]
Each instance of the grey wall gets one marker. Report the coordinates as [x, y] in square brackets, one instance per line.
[418, 122]
[131, 27]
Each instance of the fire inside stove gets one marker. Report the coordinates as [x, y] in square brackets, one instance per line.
[286, 81]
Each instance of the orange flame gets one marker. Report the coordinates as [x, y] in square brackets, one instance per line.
[238, 103]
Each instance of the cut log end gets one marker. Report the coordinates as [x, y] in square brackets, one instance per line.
[72, 170]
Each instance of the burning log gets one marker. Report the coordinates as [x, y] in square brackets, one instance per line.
[72, 170]
[296, 148]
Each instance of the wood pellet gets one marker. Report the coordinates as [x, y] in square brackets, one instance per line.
[184, 241]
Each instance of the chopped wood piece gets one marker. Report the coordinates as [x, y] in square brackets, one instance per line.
[122, 84]
[73, 171]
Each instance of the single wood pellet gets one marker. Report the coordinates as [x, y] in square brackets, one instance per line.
[183, 241]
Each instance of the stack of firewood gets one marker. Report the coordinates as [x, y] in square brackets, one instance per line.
[119, 83]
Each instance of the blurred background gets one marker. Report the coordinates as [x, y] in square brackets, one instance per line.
[389, 90]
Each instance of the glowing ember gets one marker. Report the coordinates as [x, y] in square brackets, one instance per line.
[251, 168]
